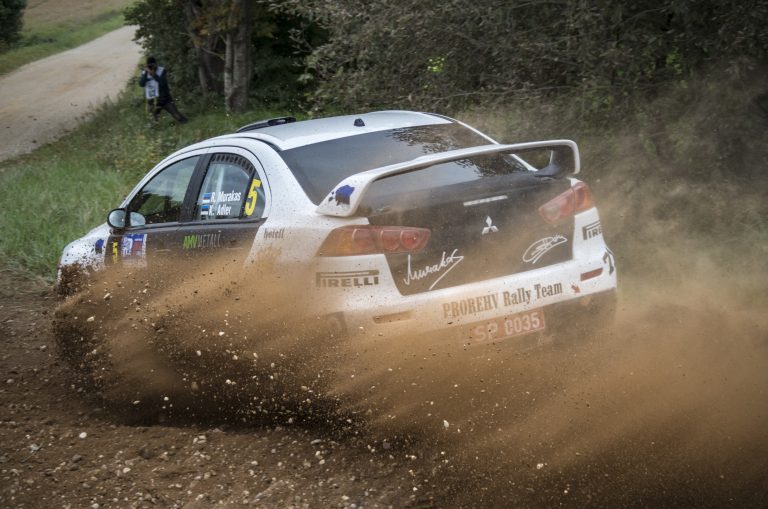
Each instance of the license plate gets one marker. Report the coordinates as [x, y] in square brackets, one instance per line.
[508, 326]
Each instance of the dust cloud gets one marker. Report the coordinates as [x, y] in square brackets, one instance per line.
[666, 406]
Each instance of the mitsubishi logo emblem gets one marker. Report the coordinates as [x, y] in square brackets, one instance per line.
[489, 228]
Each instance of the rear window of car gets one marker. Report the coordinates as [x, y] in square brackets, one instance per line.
[491, 171]
[320, 166]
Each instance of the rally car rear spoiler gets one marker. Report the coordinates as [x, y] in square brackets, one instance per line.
[345, 198]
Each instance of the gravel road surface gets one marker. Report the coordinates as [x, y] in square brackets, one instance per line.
[42, 100]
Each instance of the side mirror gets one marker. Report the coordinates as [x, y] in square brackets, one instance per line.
[117, 219]
[137, 219]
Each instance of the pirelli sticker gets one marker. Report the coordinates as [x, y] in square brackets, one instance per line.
[592, 230]
[352, 279]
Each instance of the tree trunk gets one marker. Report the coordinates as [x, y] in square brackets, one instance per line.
[209, 61]
[237, 63]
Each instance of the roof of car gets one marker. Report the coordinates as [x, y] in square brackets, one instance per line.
[297, 134]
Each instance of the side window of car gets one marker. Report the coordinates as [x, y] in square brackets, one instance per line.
[231, 190]
[160, 200]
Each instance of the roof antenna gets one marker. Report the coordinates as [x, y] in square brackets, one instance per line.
[359, 122]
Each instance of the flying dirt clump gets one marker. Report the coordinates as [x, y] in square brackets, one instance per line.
[214, 340]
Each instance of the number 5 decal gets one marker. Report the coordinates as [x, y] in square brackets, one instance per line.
[250, 204]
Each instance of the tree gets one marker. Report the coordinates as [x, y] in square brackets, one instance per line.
[208, 48]
[237, 64]
[163, 32]
[234, 48]
[11, 12]
[446, 55]
[220, 31]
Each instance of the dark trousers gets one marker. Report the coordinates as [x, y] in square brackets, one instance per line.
[155, 106]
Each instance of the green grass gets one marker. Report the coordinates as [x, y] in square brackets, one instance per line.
[52, 39]
[66, 188]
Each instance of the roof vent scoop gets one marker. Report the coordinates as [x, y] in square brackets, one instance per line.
[267, 123]
[359, 122]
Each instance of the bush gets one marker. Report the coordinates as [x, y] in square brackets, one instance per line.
[680, 173]
[186, 38]
[448, 55]
[162, 32]
[11, 12]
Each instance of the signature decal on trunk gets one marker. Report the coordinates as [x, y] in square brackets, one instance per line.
[541, 247]
[446, 264]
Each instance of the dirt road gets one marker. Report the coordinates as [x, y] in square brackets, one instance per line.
[668, 410]
[42, 100]
[60, 449]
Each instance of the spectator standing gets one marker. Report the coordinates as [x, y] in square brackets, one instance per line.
[154, 79]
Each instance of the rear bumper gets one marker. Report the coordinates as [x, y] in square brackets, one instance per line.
[576, 317]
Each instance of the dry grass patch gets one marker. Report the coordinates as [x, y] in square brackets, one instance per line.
[53, 26]
[47, 13]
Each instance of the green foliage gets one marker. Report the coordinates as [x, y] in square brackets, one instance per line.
[63, 190]
[683, 171]
[11, 12]
[385, 54]
[173, 31]
[278, 57]
[162, 32]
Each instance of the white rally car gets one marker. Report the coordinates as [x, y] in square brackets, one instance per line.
[404, 221]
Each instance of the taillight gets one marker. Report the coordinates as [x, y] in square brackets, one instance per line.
[574, 200]
[367, 239]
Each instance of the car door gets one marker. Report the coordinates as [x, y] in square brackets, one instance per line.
[155, 212]
[229, 207]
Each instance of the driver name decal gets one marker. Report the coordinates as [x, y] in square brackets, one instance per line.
[232, 196]
[219, 203]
